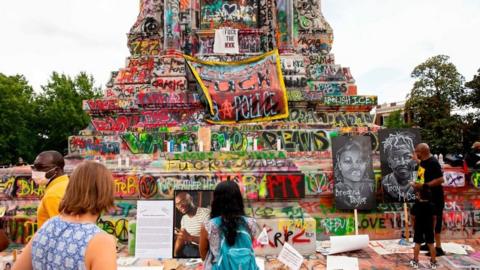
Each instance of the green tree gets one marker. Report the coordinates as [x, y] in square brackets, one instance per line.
[438, 89]
[17, 106]
[60, 111]
[395, 120]
[472, 98]
[472, 118]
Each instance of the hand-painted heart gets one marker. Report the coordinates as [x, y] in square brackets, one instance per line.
[230, 8]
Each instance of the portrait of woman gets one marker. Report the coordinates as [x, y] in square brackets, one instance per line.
[354, 181]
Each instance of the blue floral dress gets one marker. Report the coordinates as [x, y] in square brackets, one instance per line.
[61, 244]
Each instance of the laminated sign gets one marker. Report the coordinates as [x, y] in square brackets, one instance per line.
[251, 90]
[226, 41]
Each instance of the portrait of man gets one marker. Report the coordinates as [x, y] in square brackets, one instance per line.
[354, 181]
[398, 167]
[192, 210]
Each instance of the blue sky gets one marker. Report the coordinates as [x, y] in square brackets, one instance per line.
[380, 40]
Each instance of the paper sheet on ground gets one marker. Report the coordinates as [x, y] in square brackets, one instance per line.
[456, 248]
[260, 263]
[290, 257]
[342, 263]
[154, 234]
[462, 262]
[346, 243]
[386, 247]
[126, 261]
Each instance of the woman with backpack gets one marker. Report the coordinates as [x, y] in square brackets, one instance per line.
[226, 240]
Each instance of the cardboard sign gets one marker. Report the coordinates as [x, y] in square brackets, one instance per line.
[226, 41]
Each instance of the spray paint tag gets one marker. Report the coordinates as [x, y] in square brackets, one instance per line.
[263, 237]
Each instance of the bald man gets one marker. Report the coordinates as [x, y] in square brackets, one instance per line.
[47, 170]
[187, 238]
[430, 172]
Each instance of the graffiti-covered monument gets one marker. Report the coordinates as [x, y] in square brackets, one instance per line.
[255, 100]
[241, 90]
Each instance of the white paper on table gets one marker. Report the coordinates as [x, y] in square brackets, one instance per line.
[126, 261]
[342, 263]
[348, 243]
[290, 257]
[154, 234]
[263, 237]
[141, 268]
[260, 263]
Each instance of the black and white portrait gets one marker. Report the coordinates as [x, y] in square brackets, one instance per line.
[354, 181]
[398, 167]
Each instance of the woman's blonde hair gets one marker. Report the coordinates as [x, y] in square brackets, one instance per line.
[90, 190]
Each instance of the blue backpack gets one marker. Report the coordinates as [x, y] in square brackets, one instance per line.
[240, 256]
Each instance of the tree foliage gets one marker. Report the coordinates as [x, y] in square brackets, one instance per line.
[472, 97]
[472, 119]
[439, 79]
[60, 107]
[438, 89]
[17, 138]
[31, 123]
[395, 120]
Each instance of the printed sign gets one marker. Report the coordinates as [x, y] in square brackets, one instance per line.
[226, 41]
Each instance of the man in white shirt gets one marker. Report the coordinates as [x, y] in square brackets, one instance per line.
[187, 238]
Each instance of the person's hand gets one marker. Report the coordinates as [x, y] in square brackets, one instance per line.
[415, 184]
[183, 235]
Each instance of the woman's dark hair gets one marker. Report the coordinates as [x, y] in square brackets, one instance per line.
[228, 204]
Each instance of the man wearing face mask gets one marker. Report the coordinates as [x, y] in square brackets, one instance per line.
[47, 170]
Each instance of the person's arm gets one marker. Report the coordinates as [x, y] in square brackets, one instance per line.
[101, 253]
[436, 182]
[24, 261]
[203, 245]
[192, 239]
[178, 244]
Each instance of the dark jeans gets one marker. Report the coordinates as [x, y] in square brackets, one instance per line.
[190, 251]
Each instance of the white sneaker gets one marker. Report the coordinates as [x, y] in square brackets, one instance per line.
[414, 264]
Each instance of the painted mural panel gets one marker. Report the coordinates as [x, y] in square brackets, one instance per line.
[235, 13]
[251, 90]
[354, 181]
[398, 167]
